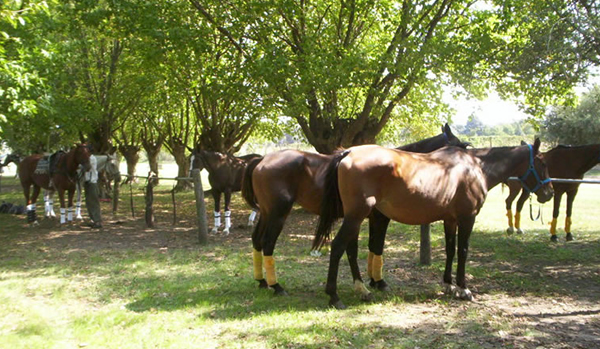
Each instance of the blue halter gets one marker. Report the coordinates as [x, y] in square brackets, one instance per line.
[531, 170]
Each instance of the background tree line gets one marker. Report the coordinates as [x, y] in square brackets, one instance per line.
[133, 74]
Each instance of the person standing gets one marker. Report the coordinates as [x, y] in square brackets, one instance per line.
[92, 202]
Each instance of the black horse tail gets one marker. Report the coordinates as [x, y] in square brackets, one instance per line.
[331, 204]
[247, 189]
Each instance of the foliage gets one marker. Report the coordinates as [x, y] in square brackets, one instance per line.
[576, 125]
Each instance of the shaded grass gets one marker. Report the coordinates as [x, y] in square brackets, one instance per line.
[129, 287]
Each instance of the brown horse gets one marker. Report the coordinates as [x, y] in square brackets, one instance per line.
[449, 184]
[225, 173]
[568, 162]
[273, 184]
[64, 179]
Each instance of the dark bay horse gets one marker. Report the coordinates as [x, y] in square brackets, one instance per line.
[569, 162]
[14, 158]
[64, 179]
[225, 173]
[273, 184]
[449, 184]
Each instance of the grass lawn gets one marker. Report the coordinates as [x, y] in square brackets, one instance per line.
[127, 286]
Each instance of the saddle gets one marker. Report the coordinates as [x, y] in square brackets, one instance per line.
[48, 165]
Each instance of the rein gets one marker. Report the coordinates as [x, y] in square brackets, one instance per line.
[531, 170]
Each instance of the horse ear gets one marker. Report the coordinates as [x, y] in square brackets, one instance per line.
[523, 143]
[447, 130]
[536, 144]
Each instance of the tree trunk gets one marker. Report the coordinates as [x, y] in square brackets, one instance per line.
[132, 157]
[152, 151]
[178, 152]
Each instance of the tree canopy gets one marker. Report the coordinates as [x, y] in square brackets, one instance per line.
[343, 72]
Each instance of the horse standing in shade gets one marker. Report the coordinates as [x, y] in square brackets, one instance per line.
[64, 179]
[449, 184]
[225, 173]
[569, 162]
[108, 164]
[274, 183]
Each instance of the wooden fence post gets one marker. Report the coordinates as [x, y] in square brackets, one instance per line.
[116, 185]
[200, 208]
[425, 251]
[152, 181]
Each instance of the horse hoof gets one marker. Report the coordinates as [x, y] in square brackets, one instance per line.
[278, 290]
[35, 223]
[337, 305]
[465, 294]
[510, 230]
[367, 297]
[449, 289]
[316, 253]
[226, 231]
[554, 238]
[519, 231]
[569, 237]
[215, 230]
[262, 284]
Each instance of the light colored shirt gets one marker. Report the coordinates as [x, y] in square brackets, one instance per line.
[92, 175]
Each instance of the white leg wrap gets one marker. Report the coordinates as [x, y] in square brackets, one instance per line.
[70, 214]
[217, 222]
[63, 219]
[46, 207]
[227, 220]
[78, 211]
[251, 218]
[51, 208]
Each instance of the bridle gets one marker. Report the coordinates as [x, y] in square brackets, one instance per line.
[531, 170]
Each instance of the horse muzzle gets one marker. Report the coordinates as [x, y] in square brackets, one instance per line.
[544, 194]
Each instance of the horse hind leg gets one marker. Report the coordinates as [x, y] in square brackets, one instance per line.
[465, 227]
[274, 222]
[217, 212]
[227, 195]
[257, 256]
[359, 286]
[450, 237]
[49, 204]
[378, 224]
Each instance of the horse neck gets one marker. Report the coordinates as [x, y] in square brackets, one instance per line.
[498, 164]
[70, 163]
[580, 158]
[425, 145]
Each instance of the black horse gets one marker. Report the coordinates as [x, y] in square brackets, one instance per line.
[225, 173]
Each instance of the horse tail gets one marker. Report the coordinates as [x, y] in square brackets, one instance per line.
[247, 188]
[331, 204]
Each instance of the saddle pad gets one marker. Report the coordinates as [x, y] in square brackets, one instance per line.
[43, 166]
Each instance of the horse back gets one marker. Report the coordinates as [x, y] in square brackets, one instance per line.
[411, 188]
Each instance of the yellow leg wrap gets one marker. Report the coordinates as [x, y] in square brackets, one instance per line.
[257, 260]
[553, 226]
[568, 225]
[518, 220]
[510, 218]
[370, 264]
[377, 267]
[270, 269]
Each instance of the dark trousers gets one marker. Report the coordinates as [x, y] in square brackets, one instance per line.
[92, 202]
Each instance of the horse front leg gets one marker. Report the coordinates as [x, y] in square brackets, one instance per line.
[465, 227]
[524, 196]
[217, 199]
[513, 192]
[227, 195]
[555, 212]
[570, 199]
[450, 237]
[31, 209]
[71, 193]
[61, 198]
[378, 224]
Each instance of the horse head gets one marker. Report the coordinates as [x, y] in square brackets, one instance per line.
[112, 166]
[82, 156]
[536, 178]
[452, 139]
